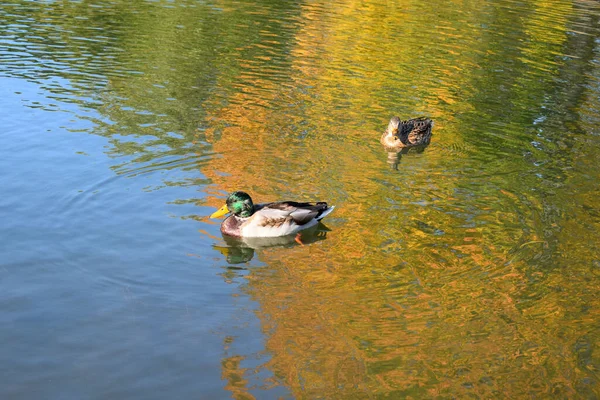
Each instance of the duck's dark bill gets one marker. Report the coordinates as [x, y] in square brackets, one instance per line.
[220, 212]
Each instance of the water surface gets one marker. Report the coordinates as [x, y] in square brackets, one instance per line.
[470, 269]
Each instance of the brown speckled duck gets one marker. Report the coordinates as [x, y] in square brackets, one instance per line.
[410, 133]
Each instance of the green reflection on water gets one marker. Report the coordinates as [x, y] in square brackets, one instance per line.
[472, 269]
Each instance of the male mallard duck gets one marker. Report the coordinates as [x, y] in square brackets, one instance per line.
[410, 133]
[270, 219]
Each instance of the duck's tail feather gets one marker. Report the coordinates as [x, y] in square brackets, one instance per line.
[325, 213]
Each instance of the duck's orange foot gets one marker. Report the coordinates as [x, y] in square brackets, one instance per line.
[298, 239]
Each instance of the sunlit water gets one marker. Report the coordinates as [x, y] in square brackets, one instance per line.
[468, 270]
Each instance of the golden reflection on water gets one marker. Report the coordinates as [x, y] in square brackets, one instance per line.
[427, 284]
[469, 269]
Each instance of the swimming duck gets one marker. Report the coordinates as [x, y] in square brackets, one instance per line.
[410, 133]
[269, 219]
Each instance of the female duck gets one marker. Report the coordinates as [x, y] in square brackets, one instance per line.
[404, 134]
[270, 219]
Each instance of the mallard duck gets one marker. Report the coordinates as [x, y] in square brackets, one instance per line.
[270, 219]
[410, 133]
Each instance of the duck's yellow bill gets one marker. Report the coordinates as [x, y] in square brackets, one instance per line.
[220, 212]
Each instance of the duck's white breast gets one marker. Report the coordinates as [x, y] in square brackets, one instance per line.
[287, 228]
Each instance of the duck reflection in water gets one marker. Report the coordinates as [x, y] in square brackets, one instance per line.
[400, 137]
[241, 250]
[394, 157]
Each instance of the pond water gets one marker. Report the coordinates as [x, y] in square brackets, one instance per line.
[468, 270]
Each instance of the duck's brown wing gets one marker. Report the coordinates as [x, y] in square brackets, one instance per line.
[416, 131]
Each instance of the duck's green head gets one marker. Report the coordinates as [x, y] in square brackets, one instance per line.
[238, 203]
